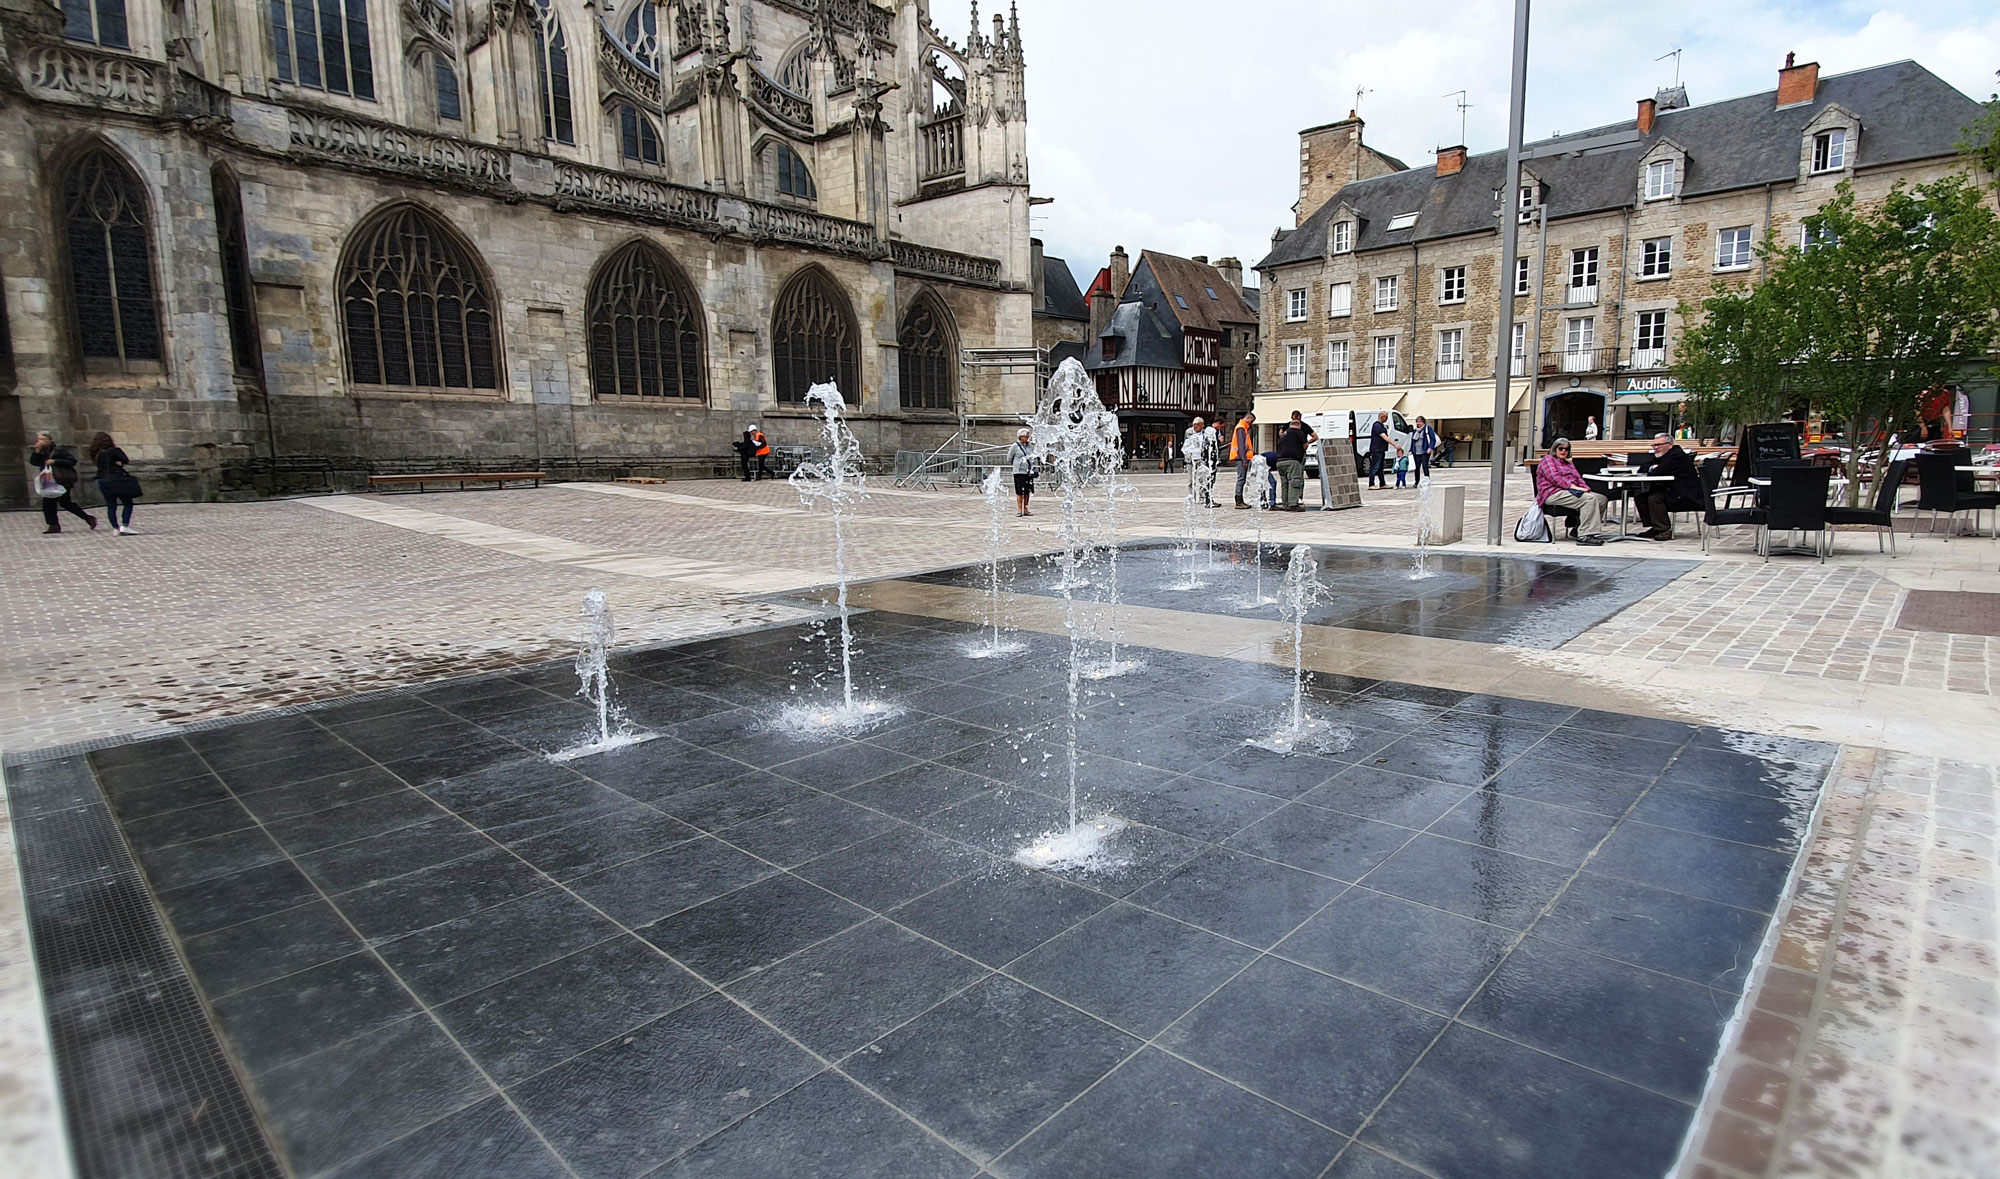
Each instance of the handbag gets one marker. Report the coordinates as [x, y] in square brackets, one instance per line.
[1533, 526]
[124, 485]
[48, 486]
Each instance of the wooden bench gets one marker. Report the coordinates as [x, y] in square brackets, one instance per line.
[644, 479]
[497, 478]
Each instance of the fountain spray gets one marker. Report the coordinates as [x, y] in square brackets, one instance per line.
[990, 488]
[593, 673]
[1076, 439]
[1302, 589]
[1426, 534]
[1260, 502]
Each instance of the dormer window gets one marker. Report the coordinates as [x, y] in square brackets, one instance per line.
[1343, 237]
[1110, 348]
[1659, 180]
[1829, 152]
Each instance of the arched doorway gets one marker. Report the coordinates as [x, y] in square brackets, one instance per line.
[1566, 412]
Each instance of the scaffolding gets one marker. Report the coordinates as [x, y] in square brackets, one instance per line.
[966, 456]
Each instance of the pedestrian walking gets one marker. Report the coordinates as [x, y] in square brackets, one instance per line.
[58, 463]
[1242, 449]
[1378, 449]
[118, 486]
[760, 446]
[745, 451]
[1022, 456]
[1200, 450]
[1423, 444]
[1292, 443]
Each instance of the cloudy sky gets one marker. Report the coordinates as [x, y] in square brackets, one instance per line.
[1173, 124]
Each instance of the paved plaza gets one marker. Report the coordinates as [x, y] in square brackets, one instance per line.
[1638, 861]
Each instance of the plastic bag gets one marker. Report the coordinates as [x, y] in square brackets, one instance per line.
[1533, 525]
[48, 486]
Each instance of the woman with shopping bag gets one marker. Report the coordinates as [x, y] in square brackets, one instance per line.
[55, 476]
[118, 486]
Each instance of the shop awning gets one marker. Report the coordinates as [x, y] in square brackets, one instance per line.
[1276, 407]
[1655, 397]
[1460, 399]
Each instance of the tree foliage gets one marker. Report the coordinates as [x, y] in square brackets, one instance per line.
[1875, 305]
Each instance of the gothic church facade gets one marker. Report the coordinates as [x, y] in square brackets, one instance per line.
[282, 244]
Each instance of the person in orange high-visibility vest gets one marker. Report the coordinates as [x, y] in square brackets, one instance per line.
[1243, 448]
[761, 447]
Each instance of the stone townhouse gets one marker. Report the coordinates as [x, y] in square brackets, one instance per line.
[1386, 294]
[279, 245]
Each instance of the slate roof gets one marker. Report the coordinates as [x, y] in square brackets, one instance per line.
[1152, 339]
[1160, 277]
[1060, 296]
[1907, 113]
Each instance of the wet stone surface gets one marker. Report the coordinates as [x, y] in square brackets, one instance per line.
[735, 952]
[1520, 601]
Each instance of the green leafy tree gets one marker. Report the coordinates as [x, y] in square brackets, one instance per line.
[1876, 305]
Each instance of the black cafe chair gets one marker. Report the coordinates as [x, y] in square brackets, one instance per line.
[1883, 514]
[1715, 517]
[1569, 515]
[1796, 502]
[1942, 487]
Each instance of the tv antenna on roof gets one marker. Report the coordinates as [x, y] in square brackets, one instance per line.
[1674, 53]
[1358, 92]
[1463, 106]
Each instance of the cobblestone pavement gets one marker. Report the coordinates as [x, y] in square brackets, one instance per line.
[1870, 1049]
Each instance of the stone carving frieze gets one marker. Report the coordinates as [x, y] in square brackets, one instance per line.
[85, 77]
[430, 20]
[623, 192]
[622, 71]
[945, 263]
[398, 149]
[813, 229]
[780, 104]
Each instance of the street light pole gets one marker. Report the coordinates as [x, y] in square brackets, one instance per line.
[1510, 224]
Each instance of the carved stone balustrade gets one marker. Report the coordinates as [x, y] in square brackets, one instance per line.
[398, 149]
[88, 77]
[622, 192]
[780, 103]
[812, 229]
[625, 72]
[945, 263]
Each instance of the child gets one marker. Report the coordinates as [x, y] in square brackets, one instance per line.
[1402, 469]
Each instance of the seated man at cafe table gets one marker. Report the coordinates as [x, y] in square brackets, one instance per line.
[1659, 501]
[1558, 484]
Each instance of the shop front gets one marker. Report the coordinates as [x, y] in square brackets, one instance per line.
[1645, 406]
[1151, 436]
[1462, 414]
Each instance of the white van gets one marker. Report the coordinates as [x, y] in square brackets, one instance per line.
[1353, 426]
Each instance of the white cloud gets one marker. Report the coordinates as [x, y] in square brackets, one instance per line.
[1173, 124]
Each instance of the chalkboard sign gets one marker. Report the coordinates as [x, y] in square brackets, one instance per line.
[1766, 442]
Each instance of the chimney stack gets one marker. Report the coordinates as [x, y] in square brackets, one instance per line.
[1797, 83]
[1200, 258]
[1102, 304]
[1231, 270]
[1647, 106]
[1121, 271]
[1451, 160]
[1039, 269]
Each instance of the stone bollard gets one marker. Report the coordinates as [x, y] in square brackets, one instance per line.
[1447, 514]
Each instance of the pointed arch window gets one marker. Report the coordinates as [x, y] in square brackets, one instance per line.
[645, 328]
[636, 138]
[417, 311]
[790, 176]
[98, 22]
[642, 33]
[552, 67]
[324, 44]
[795, 73]
[112, 292]
[813, 338]
[927, 356]
[444, 89]
[233, 247]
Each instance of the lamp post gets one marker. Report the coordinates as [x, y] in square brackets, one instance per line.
[1503, 367]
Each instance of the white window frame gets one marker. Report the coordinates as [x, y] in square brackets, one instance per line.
[1339, 299]
[1518, 351]
[1451, 354]
[1580, 333]
[1391, 286]
[1658, 321]
[1339, 363]
[1343, 237]
[1740, 256]
[1385, 347]
[1656, 258]
[1811, 241]
[1829, 150]
[1295, 304]
[1524, 279]
[1451, 284]
[1659, 180]
[1295, 366]
[1528, 201]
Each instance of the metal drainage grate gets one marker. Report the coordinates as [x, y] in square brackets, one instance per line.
[1956, 612]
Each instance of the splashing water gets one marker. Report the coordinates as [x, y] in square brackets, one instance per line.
[1111, 666]
[1192, 545]
[994, 646]
[1420, 569]
[1260, 502]
[1301, 590]
[593, 672]
[1076, 439]
[838, 482]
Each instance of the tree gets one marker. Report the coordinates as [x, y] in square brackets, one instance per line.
[1874, 306]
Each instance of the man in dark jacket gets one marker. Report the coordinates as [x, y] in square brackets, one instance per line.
[59, 461]
[1378, 449]
[1292, 443]
[1659, 501]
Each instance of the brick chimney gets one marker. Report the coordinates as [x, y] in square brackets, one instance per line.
[1201, 259]
[1797, 83]
[1039, 268]
[1647, 107]
[1121, 271]
[1102, 305]
[1451, 160]
[1231, 270]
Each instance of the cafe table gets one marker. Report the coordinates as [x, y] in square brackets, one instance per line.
[1623, 483]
